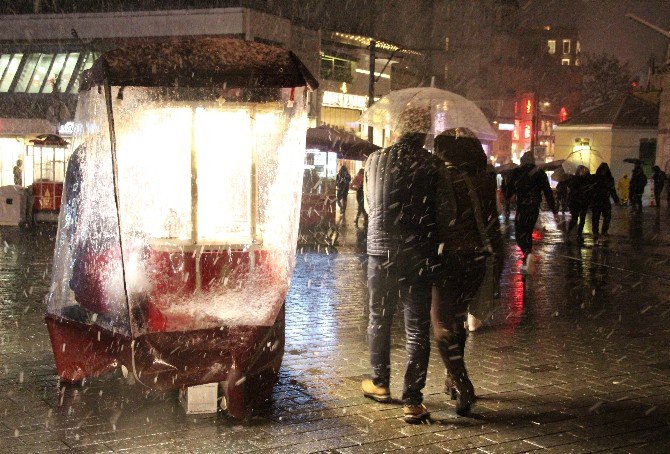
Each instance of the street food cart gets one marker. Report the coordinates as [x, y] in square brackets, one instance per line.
[45, 163]
[176, 240]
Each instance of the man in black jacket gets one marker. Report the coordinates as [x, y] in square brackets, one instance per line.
[528, 182]
[401, 194]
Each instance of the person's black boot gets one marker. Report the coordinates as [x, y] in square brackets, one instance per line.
[458, 385]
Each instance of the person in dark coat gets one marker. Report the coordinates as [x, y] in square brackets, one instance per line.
[342, 181]
[464, 246]
[638, 181]
[659, 177]
[357, 185]
[401, 185]
[603, 190]
[528, 182]
[579, 199]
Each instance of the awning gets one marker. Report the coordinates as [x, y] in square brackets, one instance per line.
[346, 145]
[199, 62]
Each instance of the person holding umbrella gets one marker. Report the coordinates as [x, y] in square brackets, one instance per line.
[401, 186]
[528, 182]
[579, 199]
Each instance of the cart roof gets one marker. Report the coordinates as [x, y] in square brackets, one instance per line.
[199, 62]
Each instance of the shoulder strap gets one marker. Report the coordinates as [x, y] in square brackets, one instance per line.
[477, 211]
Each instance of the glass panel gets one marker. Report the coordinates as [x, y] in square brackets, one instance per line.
[56, 69]
[155, 167]
[27, 73]
[10, 151]
[68, 69]
[224, 163]
[89, 58]
[40, 73]
[4, 61]
[10, 72]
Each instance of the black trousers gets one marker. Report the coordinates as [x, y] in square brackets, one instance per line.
[605, 211]
[524, 223]
[577, 218]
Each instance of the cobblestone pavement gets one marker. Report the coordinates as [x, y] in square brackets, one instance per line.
[576, 360]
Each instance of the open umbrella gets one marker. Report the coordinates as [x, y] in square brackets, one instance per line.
[551, 166]
[448, 111]
[507, 167]
[347, 146]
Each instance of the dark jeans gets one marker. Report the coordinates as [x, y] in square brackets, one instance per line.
[342, 200]
[452, 295]
[361, 207]
[636, 201]
[385, 292]
[577, 218]
[606, 212]
[524, 223]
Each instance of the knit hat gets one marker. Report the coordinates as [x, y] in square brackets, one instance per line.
[414, 120]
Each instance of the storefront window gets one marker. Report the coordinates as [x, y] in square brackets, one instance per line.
[89, 58]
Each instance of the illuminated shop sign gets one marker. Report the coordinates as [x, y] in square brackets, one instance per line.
[344, 100]
[506, 126]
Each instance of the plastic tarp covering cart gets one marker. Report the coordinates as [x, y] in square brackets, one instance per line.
[176, 240]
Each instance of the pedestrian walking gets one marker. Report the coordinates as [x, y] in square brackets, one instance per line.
[579, 200]
[506, 202]
[603, 191]
[357, 185]
[342, 181]
[562, 195]
[638, 181]
[466, 246]
[18, 173]
[623, 188]
[401, 184]
[528, 182]
[659, 177]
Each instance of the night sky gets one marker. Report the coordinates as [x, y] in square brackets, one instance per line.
[604, 27]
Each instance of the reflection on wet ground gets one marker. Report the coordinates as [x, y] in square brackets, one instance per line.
[575, 360]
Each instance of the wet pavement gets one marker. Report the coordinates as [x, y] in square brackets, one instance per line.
[575, 360]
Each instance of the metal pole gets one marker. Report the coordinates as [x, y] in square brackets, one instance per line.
[371, 84]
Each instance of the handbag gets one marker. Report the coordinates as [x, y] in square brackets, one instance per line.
[485, 303]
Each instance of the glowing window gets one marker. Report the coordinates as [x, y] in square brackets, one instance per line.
[565, 62]
[54, 72]
[566, 46]
[89, 58]
[551, 46]
[10, 72]
[526, 132]
[40, 73]
[27, 73]
[68, 69]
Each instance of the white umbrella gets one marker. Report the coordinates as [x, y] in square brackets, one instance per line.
[448, 111]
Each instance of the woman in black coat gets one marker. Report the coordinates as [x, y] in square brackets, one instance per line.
[579, 199]
[603, 190]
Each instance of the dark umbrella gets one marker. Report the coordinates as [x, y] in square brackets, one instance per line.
[551, 166]
[560, 175]
[508, 167]
[346, 145]
[633, 161]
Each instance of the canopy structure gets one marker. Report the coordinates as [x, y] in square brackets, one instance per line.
[448, 111]
[199, 62]
[347, 146]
